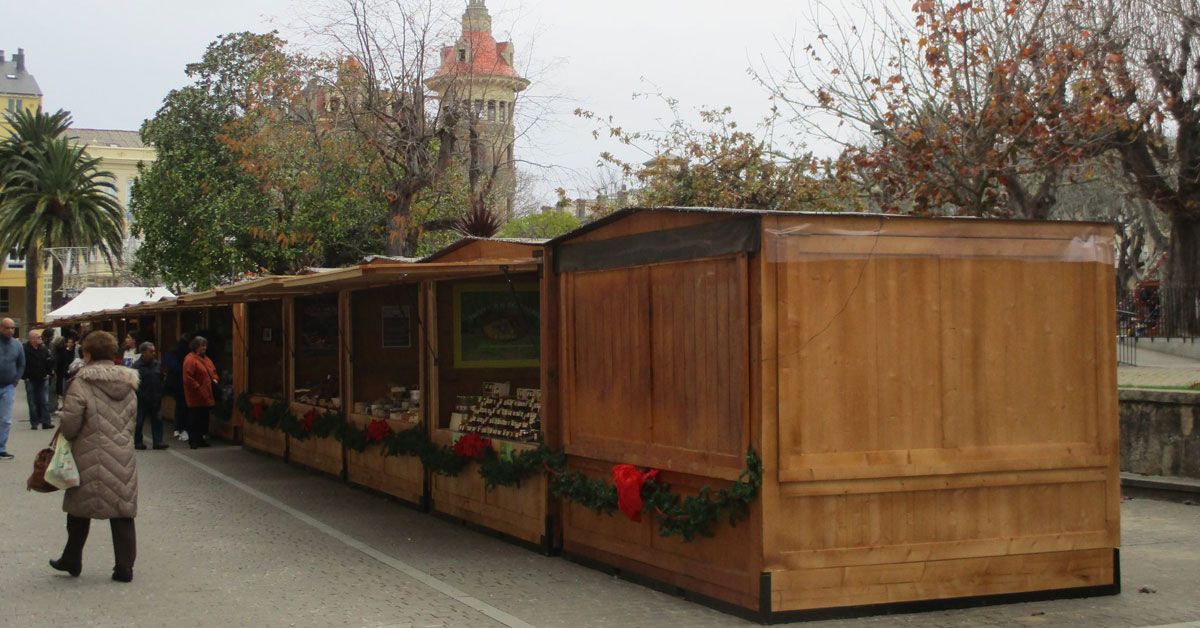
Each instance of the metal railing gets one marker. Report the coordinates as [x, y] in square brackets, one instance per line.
[1126, 341]
[1159, 312]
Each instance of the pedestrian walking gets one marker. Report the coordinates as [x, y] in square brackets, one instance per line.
[173, 365]
[64, 355]
[50, 339]
[12, 367]
[199, 378]
[38, 365]
[97, 419]
[149, 396]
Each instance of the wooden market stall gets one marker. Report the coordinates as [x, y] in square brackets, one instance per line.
[380, 359]
[260, 352]
[933, 401]
[486, 331]
[314, 357]
[384, 383]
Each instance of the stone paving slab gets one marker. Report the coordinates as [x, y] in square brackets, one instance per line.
[281, 546]
[1157, 369]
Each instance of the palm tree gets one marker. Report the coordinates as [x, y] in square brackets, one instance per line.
[53, 195]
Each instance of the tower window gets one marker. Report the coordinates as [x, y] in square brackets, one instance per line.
[503, 111]
[491, 111]
[462, 55]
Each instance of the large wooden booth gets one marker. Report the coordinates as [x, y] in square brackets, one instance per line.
[933, 401]
[378, 361]
[313, 348]
[485, 329]
[260, 356]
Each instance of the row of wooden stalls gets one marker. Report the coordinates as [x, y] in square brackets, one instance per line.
[933, 400]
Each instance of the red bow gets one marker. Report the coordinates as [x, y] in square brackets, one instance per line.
[629, 480]
[256, 411]
[472, 446]
[378, 430]
[306, 422]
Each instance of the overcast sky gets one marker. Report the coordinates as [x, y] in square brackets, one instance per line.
[110, 62]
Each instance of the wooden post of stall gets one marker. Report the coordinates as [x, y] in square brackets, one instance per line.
[241, 337]
[549, 386]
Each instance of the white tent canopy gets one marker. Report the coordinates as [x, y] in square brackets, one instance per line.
[100, 299]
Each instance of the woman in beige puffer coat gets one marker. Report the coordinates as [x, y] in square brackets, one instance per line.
[98, 415]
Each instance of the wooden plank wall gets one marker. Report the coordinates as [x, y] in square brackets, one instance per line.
[944, 412]
[654, 370]
[265, 358]
[374, 368]
[518, 512]
[371, 371]
[452, 381]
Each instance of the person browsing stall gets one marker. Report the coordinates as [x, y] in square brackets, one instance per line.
[149, 396]
[199, 378]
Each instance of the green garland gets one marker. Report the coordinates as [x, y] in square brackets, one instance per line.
[686, 517]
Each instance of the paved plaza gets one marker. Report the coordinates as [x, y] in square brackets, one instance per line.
[1156, 369]
[231, 538]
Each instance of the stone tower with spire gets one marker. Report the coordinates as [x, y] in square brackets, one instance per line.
[477, 77]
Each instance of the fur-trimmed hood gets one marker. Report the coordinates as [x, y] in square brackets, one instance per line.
[114, 381]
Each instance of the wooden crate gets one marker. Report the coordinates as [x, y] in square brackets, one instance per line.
[518, 512]
[321, 454]
[933, 401]
[262, 439]
[402, 477]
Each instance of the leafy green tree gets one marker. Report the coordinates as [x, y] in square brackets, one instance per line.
[541, 225]
[53, 195]
[195, 208]
[256, 171]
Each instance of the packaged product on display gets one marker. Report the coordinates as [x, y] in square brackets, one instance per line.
[497, 414]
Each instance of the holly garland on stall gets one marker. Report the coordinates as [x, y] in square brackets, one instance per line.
[633, 490]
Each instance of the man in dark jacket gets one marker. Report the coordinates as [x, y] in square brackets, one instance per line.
[12, 366]
[38, 364]
[149, 396]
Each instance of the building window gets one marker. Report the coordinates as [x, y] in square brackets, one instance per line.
[462, 55]
[491, 111]
[4, 304]
[128, 192]
[503, 111]
[15, 104]
[14, 263]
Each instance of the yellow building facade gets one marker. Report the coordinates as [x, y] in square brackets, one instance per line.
[19, 91]
[119, 153]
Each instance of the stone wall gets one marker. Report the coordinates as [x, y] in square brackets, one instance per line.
[1158, 433]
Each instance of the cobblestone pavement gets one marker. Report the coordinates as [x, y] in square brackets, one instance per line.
[231, 538]
[1159, 370]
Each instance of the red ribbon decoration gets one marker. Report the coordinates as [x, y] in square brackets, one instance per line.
[256, 411]
[472, 446]
[377, 430]
[629, 480]
[306, 422]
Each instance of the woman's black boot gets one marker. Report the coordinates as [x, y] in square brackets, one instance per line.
[61, 565]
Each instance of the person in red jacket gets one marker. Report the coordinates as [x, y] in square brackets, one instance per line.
[199, 377]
